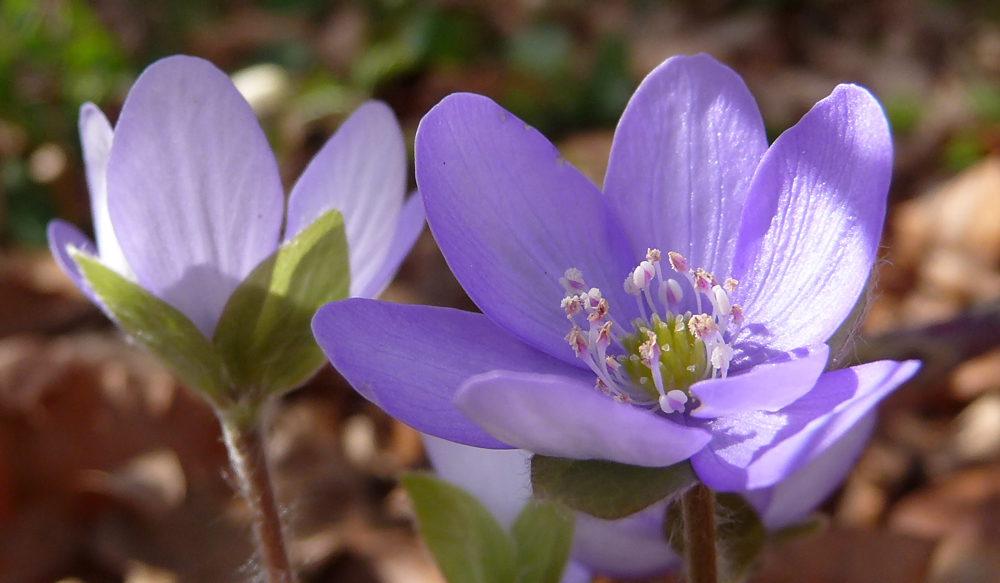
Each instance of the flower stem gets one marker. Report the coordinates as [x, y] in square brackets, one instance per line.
[698, 511]
[245, 443]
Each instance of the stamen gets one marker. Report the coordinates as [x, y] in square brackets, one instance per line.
[573, 281]
[677, 262]
[576, 341]
[730, 285]
[674, 294]
[673, 401]
[722, 304]
[572, 305]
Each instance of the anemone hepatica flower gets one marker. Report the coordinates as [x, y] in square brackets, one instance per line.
[682, 313]
[187, 200]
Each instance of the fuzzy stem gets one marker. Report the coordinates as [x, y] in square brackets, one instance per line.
[245, 443]
[698, 511]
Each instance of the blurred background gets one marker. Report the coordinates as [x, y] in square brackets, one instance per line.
[111, 472]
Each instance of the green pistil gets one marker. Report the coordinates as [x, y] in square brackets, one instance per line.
[682, 357]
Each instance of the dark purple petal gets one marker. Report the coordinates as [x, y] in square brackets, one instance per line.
[791, 500]
[758, 449]
[410, 360]
[567, 417]
[768, 387]
[62, 235]
[360, 171]
[812, 223]
[630, 547]
[96, 136]
[683, 156]
[193, 188]
[511, 216]
[408, 229]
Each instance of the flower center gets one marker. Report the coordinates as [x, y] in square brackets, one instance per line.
[655, 363]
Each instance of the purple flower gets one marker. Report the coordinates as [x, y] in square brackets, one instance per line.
[739, 262]
[635, 546]
[187, 200]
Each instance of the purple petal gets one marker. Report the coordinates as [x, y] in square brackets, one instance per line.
[768, 386]
[792, 499]
[499, 478]
[683, 156]
[410, 360]
[62, 235]
[567, 417]
[361, 171]
[576, 573]
[630, 547]
[812, 222]
[96, 136]
[511, 216]
[193, 188]
[758, 449]
[408, 229]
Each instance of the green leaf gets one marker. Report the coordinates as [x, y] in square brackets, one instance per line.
[264, 334]
[543, 537]
[157, 326]
[606, 489]
[468, 544]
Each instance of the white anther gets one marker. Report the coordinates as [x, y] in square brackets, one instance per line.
[730, 285]
[643, 275]
[598, 313]
[702, 326]
[674, 292]
[612, 363]
[573, 280]
[653, 255]
[722, 301]
[737, 312]
[722, 354]
[703, 280]
[592, 298]
[630, 287]
[576, 341]
[673, 401]
[649, 351]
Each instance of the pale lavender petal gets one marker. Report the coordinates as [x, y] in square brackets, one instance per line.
[511, 216]
[193, 188]
[62, 235]
[794, 498]
[567, 417]
[360, 171]
[408, 229]
[812, 222]
[95, 138]
[683, 156]
[630, 547]
[768, 387]
[576, 573]
[758, 449]
[499, 478]
[410, 360]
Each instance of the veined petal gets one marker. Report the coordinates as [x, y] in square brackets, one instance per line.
[758, 449]
[511, 216]
[96, 136]
[410, 360]
[408, 228]
[193, 189]
[767, 387]
[564, 416]
[812, 222]
[360, 171]
[631, 547]
[61, 235]
[682, 159]
[792, 499]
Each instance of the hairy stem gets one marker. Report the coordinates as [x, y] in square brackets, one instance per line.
[245, 443]
[698, 511]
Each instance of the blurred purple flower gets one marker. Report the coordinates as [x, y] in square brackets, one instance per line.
[186, 197]
[740, 260]
[635, 546]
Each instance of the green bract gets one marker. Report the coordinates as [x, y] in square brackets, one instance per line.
[470, 546]
[263, 343]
